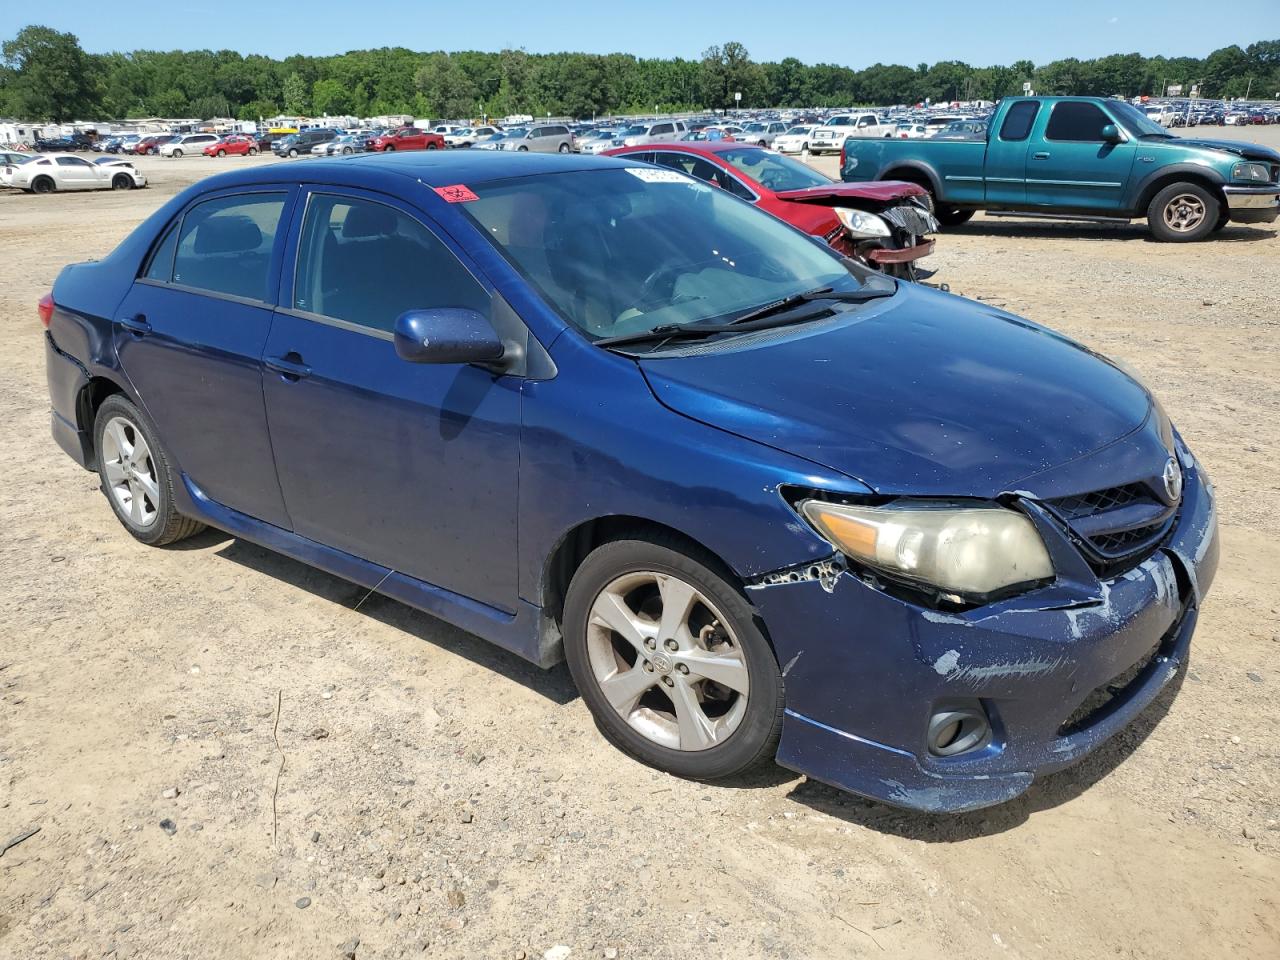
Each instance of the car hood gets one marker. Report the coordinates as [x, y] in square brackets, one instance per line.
[1241, 148]
[835, 194]
[922, 393]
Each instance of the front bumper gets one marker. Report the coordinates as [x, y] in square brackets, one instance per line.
[904, 255]
[1253, 204]
[864, 671]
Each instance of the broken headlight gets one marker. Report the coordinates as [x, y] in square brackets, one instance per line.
[965, 551]
[861, 224]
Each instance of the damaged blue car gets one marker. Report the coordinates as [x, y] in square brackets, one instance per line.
[767, 504]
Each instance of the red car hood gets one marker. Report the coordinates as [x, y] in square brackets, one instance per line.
[880, 191]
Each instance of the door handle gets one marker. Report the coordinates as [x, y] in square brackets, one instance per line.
[290, 366]
[1040, 156]
[137, 325]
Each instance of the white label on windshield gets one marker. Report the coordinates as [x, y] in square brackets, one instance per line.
[654, 175]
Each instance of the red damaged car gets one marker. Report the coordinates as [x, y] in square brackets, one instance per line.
[407, 138]
[235, 145]
[884, 224]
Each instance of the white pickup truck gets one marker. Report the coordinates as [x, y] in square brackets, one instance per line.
[829, 137]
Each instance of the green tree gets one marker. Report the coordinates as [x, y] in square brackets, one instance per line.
[49, 77]
[294, 90]
[728, 70]
[331, 98]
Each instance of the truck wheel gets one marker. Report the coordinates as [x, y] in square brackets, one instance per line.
[1223, 219]
[1182, 213]
[949, 216]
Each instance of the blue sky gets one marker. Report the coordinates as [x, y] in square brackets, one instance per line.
[851, 33]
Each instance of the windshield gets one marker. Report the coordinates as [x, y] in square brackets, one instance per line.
[516, 134]
[635, 131]
[1135, 121]
[754, 127]
[797, 131]
[773, 170]
[618, 251]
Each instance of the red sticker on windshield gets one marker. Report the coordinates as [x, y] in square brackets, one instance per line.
[458, 193]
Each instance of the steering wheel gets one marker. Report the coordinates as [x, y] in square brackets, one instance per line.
[649, 287]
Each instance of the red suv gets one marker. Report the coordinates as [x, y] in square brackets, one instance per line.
[407, 138]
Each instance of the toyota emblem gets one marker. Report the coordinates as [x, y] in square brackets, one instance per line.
[1172, 481]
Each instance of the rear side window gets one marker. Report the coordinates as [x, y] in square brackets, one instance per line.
[1018, 121]
[1076, 121]
[160, 266]
[225, 245]
[366, 263]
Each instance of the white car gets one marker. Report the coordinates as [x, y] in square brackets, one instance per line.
[66, 171]
[466, 136]
[795, 140]
[188, 143]
[598, 141]
[830, 137]
[906, 130]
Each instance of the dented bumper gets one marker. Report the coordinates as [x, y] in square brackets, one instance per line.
[1057, 671]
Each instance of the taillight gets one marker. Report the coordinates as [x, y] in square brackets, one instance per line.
[45, 308]
[842, 156]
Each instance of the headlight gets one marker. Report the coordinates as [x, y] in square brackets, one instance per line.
[859, 223]
[1253, 172]
[968, 551]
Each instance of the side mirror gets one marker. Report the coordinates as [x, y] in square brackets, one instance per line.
[447, 335]
[1111, 134]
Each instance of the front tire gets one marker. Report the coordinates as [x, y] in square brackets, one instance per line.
[253, 151]
[668, 657]
[122, 182]
[293, 153]
[564, 148]
[1183, 213]
[136, 476]
[222, 153]
[389, 149]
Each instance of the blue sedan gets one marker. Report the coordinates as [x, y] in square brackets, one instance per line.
[767, 504]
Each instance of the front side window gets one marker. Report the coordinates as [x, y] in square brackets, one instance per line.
[663, 128]
[225, 245]
[1076, 121]
[73, 162]
[617, 251]
[366, 263]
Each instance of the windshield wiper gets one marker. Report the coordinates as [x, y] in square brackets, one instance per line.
[861, 295]
[761, 318]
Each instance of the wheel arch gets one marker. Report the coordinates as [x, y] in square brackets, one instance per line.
[912, 173]
[578, 542]
[1187, 173]
[91, 397]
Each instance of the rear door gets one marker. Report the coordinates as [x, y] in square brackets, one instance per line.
[1006, 164]
[190, 335]
[1072, 166]
[409, 465]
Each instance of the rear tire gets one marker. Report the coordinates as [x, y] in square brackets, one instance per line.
[43, 185]
[674, 719]
[177, 154]
[1183, 213]
[136, 476]
[951, 216]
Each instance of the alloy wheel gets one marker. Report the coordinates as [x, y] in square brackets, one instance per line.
[666, 660]
[1184, 213]
[130, 472]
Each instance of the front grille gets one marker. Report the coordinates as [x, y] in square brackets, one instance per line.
[1118, 527]
[910, 217]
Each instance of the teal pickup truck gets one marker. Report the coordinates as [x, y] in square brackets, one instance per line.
[1082, 157]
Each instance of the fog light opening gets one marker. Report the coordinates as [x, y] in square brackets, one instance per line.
[957, 729]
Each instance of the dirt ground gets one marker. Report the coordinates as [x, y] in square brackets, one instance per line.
[441, 798]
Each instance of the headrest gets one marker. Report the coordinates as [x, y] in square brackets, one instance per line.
[227, 234]
[368, 220]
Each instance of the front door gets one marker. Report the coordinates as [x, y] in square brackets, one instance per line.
[190, 335]
[1073, 166]
[411, 466]
[77, 174]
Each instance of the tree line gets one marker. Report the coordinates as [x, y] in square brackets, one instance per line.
[46, 75]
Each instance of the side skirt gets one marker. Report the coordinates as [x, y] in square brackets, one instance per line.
[529, 632]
